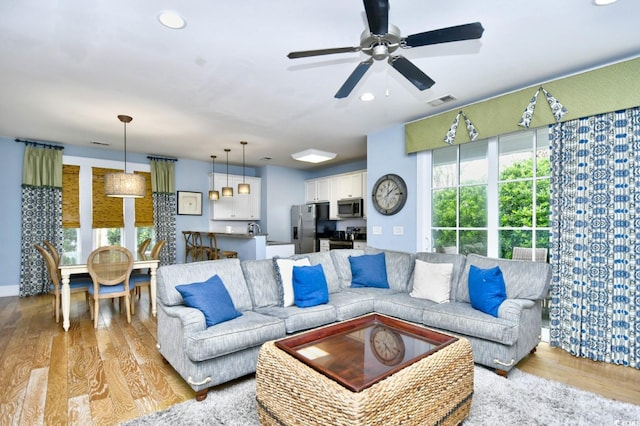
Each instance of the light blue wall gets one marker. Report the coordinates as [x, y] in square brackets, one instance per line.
[10, 214]
[281, 188]
[385, 154]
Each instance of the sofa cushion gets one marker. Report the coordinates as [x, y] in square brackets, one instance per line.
[260, 276]
[486, 289]
[211, 298]
[284, 274]
[432, 281]
[343, 266]
[403, 306]
[323, 258]
[523, 279]
[250, 330]
[299, 319]
[458, 261]
[229, 271]
[462, 318]
[309, 286]
[368, 270]
[350, 304]
[399, 266]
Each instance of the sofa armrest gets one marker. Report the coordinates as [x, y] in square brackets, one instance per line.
[511, 309]
[192, 319]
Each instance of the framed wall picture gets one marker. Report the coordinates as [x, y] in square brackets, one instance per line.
[190, 203]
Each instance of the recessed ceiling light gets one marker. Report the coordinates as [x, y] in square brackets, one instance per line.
[313, 156]
[171, 20]
[367, 97]
[603, 2]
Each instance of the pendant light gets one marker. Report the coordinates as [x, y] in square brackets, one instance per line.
[213, 193]
[124, 185]
[227, 191]
[243, 188]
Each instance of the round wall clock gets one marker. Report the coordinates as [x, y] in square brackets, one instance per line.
[387, 345]
[389, 194]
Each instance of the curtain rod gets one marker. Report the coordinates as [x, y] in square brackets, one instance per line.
[46, 145]
[151, 157]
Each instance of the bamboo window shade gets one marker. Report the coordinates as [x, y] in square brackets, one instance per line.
[70, 196]
[108, 212]
[144, 206]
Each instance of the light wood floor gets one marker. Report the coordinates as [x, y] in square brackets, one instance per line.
[114, 373]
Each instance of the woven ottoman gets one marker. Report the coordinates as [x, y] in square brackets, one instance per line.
[434, 390]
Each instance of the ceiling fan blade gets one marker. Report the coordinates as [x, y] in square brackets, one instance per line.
[411, 72]
[445, 35]
[319, 52]
[377, 16]
[353, 79]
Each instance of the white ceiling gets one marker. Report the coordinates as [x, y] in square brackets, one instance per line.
[69, 67]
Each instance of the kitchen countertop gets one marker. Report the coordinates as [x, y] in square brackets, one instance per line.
[238, 235]
[277, 243]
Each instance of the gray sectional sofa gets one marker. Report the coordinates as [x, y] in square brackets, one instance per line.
[208, 356]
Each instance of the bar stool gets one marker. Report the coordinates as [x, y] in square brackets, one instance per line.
[229, 254]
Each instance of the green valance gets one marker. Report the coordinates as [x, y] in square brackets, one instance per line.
[42, 167]
[163, 176]
[605, 89]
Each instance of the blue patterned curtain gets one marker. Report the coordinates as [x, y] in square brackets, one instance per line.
[595, 237]
[41, 213]
[164, 206]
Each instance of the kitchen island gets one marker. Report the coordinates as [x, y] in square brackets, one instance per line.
[251, 246]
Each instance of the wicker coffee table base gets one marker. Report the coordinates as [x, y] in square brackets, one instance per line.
[435, 390]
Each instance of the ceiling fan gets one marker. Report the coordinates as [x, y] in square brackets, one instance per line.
[382, 39]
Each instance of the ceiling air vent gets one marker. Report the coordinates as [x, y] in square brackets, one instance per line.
[441, 100]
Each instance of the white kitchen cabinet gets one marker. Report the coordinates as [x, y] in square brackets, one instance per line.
[350, 185]
[359, 245]
[240, 206]
[317, 190]
[334, 196]
[324, 244]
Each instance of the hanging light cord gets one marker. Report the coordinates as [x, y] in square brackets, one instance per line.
[125, 147]
[243, 144]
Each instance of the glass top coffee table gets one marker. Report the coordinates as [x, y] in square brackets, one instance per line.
[369, 370]
[365, 350]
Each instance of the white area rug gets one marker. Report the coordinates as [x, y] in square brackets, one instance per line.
[522, 399]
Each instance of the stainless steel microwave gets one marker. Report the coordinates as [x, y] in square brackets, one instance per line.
[350, 207]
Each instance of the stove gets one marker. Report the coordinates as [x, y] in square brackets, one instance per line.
[340, 244]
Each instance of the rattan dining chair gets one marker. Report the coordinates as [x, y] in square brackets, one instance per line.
[53, 250]
[137, 281]
[75, 284]
[110, 268]
[142, 248]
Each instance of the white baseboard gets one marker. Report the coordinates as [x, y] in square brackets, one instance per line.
[9, 290]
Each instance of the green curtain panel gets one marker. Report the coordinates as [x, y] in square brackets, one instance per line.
[164, 206]
[41, 214]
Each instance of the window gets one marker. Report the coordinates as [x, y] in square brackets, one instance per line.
[490, 196]
[459, 198]
[102, 220]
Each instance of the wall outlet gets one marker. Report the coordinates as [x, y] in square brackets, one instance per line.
[398, 230]
[377, 230]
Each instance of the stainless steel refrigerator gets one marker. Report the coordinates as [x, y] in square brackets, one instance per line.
[309, 222]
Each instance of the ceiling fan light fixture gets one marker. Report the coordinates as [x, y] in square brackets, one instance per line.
[603, 2]
[313, 156]
[171, 20]
[125, 185]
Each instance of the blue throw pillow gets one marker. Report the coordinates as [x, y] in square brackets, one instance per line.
[369, 270]
[487, 290]
[309, 286]
[211, 298]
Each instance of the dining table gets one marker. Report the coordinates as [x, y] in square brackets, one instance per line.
[69, 269]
